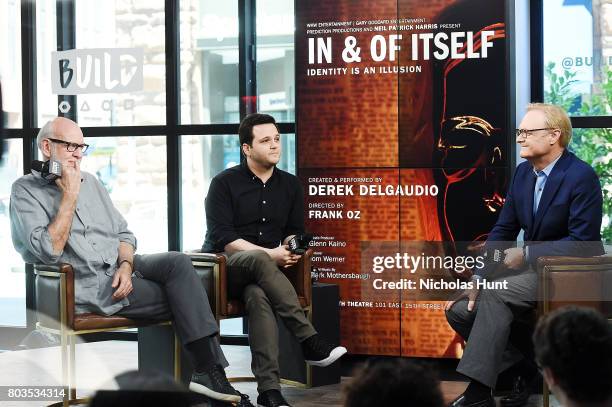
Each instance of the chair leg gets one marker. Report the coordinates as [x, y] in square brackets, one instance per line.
[177, 358]
[308, 367]
[545, 395]
[65, 368]
[72, 384]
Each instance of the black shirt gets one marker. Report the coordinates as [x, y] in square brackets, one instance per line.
[240, 206]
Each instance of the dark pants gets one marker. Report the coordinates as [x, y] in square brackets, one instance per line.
[255, 277]
[166, 286]
[487, 328]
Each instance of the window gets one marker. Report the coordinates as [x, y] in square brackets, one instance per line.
[120, 24]
[46, 43]
[209, 62]
[577, 57]
[10, 55]
[133, 171]
[275, 59]
[12, 278]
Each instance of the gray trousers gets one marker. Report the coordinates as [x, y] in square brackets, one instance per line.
[487, 327]
[254, 277]
[167, 287]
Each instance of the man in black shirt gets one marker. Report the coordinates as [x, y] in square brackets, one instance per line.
[252, 211]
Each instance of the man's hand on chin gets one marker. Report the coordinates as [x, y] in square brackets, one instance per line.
[70, 181]
[122, 281]
[514, 258]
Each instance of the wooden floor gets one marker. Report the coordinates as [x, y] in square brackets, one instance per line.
[98, 363]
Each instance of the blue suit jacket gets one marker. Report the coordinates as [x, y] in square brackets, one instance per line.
[568, 219]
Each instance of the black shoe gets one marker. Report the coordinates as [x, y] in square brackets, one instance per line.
[272, 398]
[518, 396]
[213, 383]
[460, 402]
[318, 352]
[244, 401]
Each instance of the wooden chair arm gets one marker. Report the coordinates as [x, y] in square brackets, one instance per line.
[581, 281]
[573, 261]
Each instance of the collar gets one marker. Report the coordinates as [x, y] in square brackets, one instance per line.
[548, 169]
[40, 179]
[245, 168]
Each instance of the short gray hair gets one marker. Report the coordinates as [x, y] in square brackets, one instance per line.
[45, 132]
[556, 118]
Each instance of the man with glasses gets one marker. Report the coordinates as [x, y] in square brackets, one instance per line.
[72, 220]
[252, 211]
[556, 199]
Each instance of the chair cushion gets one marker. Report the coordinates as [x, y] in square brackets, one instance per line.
[89, 321]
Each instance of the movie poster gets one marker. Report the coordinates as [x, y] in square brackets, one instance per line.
[403, 142]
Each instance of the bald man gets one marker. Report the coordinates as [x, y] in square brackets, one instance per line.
[72, 220]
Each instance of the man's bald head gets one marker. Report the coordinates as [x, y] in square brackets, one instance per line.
[58, 128]
[62, 129]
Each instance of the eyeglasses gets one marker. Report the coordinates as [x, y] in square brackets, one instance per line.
[71, 147]
[527, 132]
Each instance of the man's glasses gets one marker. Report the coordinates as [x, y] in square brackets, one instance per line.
[528, 132]
[71, 147]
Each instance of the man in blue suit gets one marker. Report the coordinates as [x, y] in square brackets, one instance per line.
[556, 199]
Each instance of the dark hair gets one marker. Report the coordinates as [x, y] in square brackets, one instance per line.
[576, 345]
[147, 388]
[396, 382]
[245, 131]
[147, 380]
[146, 398]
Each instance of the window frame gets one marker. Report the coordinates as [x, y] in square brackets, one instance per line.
[172, 130]
[536, 28]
